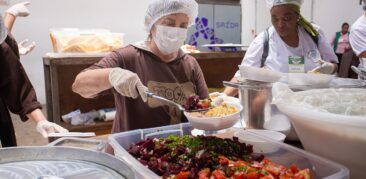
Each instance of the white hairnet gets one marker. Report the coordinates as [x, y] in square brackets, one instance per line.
[3, 31]
[271, 3]
[160, 8]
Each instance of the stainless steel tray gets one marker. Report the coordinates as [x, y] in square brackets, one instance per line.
[64, 162]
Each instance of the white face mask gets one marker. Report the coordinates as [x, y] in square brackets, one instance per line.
[169, 39]
[4, 2]
[3, 31]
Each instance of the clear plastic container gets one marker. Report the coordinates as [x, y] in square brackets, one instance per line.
[286, 155]
[74, 40]
[331, 133]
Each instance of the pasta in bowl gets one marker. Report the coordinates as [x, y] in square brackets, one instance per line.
[217, 118]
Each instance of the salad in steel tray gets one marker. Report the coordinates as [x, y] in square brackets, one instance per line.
[206, 157]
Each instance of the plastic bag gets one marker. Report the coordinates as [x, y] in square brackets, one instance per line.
[351, 102]
[73, 40]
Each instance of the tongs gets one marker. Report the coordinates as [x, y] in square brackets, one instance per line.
[180, 107]
[360, 71]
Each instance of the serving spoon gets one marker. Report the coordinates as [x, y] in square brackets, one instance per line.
[180, 107]
[361, 72]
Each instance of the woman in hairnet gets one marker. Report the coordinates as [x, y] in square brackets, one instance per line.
[157, 65]
[290, 38]
[17, 93]
[358, 37]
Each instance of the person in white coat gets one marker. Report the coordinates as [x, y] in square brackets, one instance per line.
[291, 36]
[358, 37]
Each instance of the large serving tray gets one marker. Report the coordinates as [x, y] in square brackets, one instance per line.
[37, 162]
[286, 155]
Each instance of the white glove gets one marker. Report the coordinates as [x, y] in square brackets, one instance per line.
[44, 127]
[23, 49]
[127, 83]
[325, 68]
[19, 9]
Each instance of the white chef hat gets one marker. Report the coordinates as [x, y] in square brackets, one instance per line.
[272, 3]
[160, 8]
[3, 31]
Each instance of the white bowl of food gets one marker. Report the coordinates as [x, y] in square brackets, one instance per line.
[217, 118]
[261, 145]
[331, 123]
[259, 74]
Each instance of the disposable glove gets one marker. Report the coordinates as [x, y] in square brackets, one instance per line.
[45, 127]
[324, 68]
[19, 9]
[25, 49]
[127, 83]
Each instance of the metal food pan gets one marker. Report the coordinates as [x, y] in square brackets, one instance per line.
[38, 162]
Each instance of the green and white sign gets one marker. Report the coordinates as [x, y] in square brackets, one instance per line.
[296, 64]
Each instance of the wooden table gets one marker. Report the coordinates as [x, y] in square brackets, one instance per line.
[60, 73]
[218, 66]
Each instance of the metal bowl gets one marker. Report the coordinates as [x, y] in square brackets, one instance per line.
[62, 162]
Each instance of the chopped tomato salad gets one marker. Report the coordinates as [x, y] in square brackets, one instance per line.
[209, 157]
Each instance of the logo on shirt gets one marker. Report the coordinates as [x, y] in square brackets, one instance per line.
[177, 92]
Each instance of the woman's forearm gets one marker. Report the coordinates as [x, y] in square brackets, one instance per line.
[9, 20]
[91, 82]
[230, 91]
[36, 115]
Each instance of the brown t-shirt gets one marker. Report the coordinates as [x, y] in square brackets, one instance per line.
[175, 80]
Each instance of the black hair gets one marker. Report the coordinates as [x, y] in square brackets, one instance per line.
[345, 23]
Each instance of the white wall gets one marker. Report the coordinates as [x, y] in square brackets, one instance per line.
[328, 14]
[116, 15]
[127, 16]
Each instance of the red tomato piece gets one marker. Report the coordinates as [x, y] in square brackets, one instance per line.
[252, 175]
[204, 173]
[218, 174]
[239, 175]
[223, 160]
[182, 175]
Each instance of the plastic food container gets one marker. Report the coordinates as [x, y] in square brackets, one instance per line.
[259, 145]
[74, 40]
[339, 137]
[308, 79]
[286, 155]
[259, 74]
[215, 123]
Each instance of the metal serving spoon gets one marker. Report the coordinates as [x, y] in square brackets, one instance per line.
[180, 107]
[360, 71]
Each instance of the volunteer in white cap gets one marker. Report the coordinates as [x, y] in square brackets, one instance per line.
[358, 37]
[291, 36]
[17, 10]
[157, 64]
